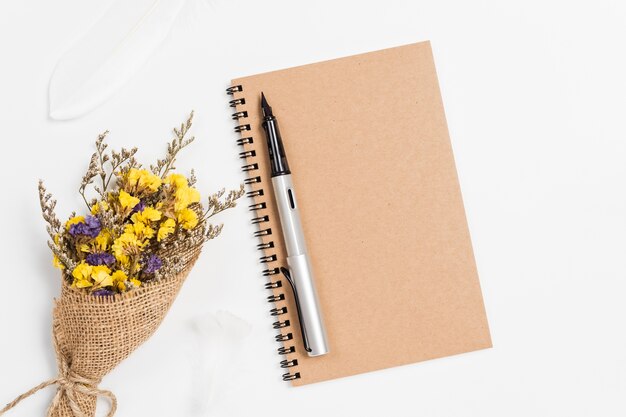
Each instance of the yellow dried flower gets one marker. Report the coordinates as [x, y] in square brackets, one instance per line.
[127, 201]
[177, 180]
[82, 283]
[147, 215]
[167, 228]
[150, 181]
[101, 276]
[95, 209]
[133, 177]
[143, 179]
[102, 241]
[119, 278]
[184, 197]
[82, 275]
[187, 218]
[140, 230]
[125, 245]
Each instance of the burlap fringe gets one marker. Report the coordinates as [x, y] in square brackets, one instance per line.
[92, 335]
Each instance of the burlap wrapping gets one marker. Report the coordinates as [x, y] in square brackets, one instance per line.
[92, 335]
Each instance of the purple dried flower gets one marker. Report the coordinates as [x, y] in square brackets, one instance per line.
[90, 227]
[92, 222]
[102, 292]
[154, 264]
[100, 258]
[139, 207]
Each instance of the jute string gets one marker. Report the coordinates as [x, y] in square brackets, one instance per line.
[92, 335]
[69, 384]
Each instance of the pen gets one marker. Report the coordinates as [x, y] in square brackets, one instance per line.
[299, 274]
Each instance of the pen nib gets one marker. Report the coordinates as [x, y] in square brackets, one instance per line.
[267, 110]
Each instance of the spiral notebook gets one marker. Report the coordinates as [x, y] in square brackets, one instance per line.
[381, 208]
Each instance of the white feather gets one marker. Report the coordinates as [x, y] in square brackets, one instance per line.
[109, 54]
[216, 378]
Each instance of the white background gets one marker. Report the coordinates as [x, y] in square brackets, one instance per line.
[535, 96]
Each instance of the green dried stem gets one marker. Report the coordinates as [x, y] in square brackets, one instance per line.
[125, 158]
[216, 205]
[54, 225]
[192, 178]
[103, 157]
[213, 231]
[47, 211]
[92, 172]
[104, 166]
[165, 165]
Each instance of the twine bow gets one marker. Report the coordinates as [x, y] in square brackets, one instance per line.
[69, 384]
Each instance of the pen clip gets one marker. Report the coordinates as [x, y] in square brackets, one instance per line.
[305, 338]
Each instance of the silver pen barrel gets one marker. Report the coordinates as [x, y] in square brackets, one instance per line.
[301, 274]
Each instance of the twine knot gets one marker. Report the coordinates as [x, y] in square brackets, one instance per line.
[65, 383]
[69, 384]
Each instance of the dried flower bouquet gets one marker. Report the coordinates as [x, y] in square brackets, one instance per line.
[122, 264]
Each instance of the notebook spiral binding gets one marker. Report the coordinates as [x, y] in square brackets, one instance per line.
[255, 181]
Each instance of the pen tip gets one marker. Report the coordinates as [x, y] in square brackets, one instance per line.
[267, 110]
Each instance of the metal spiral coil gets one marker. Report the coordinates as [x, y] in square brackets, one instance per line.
[288, 364]
[275, 298]
[286, 350]
[278, 311]
[248, 154]
[290, 377]
[263, 246]
[273, 284]
[234, 89]
[250, 167]
[261, 219]
[242, 128]
[252, 180]
[263, 232]
[283, 337]
[280, 324]
[239, 115]
[258, 206]
[255, 193]
[237, 102]
[268, 259]
[272, 271]
[245, 141]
